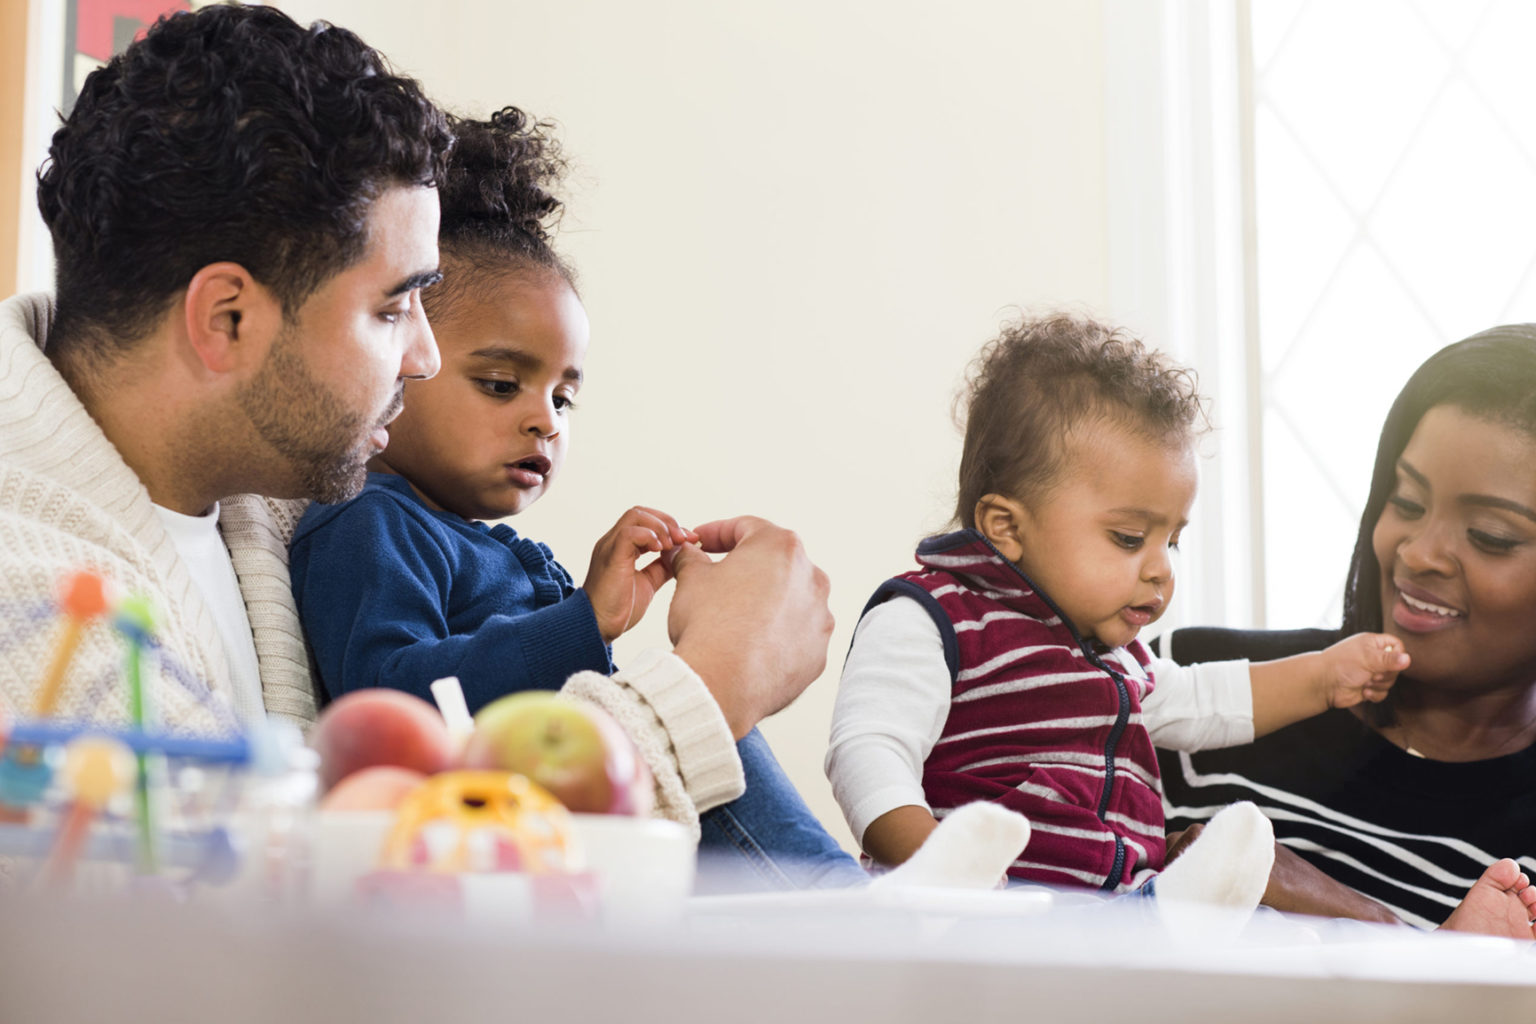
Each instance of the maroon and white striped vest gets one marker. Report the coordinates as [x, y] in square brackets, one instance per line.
[1039, 720]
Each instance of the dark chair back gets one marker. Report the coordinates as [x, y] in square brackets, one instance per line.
[1210, 643]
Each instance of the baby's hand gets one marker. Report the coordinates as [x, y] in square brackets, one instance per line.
[1362, 667]
[620, 592]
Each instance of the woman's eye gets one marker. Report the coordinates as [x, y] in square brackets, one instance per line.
[1406, 508]
[1492, 543]
[498, 388]
[1128, 541]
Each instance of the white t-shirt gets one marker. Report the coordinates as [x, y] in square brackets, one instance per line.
[201, 547]
[894, 697]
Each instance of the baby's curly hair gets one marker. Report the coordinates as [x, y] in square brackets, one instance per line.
[229, 133]
[1040, 378]
[498, 205]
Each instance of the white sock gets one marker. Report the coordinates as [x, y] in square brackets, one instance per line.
[1227, 866]
[972, 848]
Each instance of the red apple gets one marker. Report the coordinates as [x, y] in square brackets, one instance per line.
[380, 788]
[365, 728]
[573, 749]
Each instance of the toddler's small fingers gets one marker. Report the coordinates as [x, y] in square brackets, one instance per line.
[1392, 654]
[641, 538]
[663, 525]
[673, 528]
[656, 573]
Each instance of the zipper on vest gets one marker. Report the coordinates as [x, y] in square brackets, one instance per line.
[1122, 718]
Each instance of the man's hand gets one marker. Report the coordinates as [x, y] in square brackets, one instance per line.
[619, 590]
[755, 624]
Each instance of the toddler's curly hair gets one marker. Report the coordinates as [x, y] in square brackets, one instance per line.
[499, 208]
[1043, 377]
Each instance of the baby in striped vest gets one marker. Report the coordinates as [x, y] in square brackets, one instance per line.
[1007, 667]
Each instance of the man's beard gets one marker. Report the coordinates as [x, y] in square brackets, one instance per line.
[304, 422]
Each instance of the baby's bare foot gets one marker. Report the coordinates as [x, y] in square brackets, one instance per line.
[1502, 903]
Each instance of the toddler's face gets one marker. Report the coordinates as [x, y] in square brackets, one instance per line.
[485, 437]
[1100, 542]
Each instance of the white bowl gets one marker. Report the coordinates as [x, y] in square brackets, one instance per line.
[644, 867]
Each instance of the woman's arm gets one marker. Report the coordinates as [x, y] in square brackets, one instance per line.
[1296, 886]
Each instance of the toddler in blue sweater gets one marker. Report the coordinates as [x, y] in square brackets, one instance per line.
[405, 584]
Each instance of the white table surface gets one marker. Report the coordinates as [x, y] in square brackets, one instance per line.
[788, 960]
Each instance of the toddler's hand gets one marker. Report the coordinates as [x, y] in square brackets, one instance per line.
[619, 590]
[1362, 667]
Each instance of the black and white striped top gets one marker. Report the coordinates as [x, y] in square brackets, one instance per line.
[1409, 832]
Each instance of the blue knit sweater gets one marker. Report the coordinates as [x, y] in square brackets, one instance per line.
[393, 593]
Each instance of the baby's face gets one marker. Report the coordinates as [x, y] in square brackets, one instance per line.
[485, 437]
[1100, 542]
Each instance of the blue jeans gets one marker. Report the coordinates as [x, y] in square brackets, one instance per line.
[768, 839]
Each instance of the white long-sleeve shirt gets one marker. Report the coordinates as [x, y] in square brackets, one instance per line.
[894, 698]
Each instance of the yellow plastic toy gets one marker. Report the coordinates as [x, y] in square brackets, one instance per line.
[525, 828]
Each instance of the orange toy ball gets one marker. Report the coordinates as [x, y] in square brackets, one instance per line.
[83, 595]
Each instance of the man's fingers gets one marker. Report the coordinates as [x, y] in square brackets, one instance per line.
[683, 559]
[724, 534]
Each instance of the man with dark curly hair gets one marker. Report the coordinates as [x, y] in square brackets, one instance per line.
[244, 214]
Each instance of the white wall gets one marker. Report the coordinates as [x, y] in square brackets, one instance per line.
[794, 223]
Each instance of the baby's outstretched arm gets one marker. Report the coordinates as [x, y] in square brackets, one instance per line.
[619, 589]
[1359, 668]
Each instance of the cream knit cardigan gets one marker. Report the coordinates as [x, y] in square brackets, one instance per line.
[67, 500]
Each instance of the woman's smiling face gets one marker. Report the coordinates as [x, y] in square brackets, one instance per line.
[1457, 546]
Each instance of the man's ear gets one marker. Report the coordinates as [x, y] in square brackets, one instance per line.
[1002, 521]
[230, 318]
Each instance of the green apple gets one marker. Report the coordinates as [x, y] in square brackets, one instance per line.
[573, 749]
